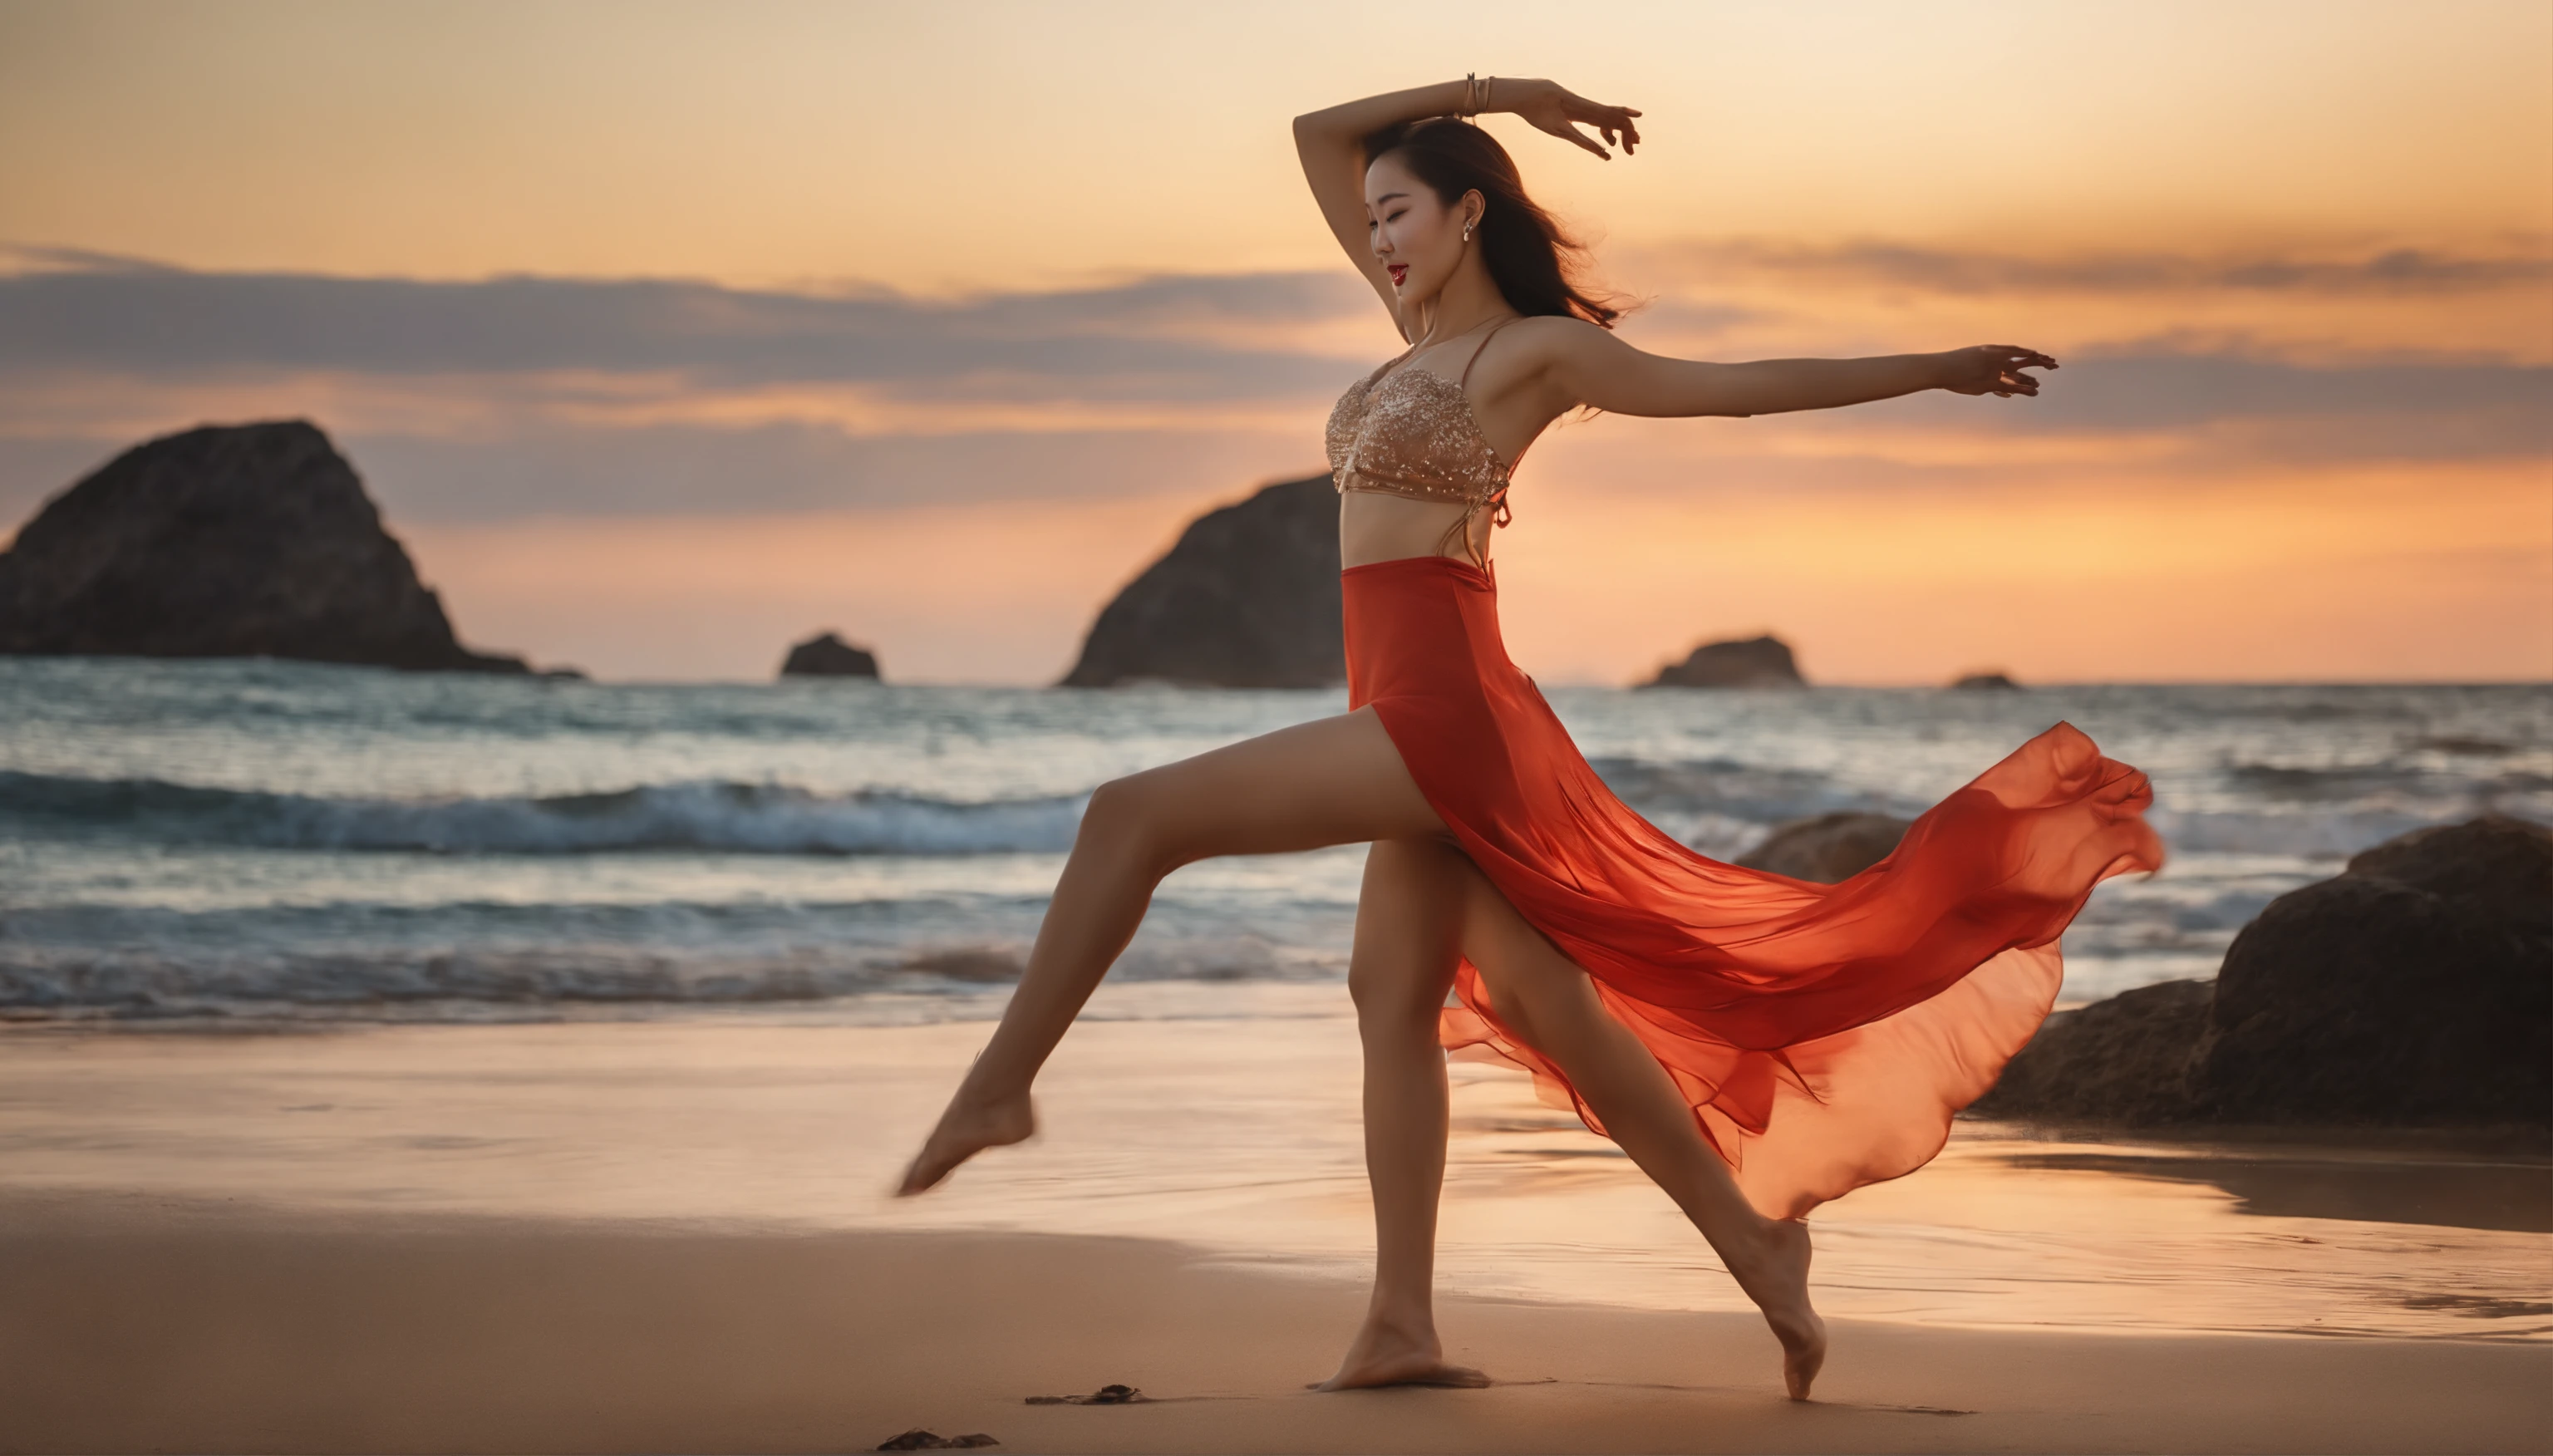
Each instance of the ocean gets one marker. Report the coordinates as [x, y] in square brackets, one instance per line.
[271, 840]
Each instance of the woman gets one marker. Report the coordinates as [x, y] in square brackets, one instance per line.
[1756, 1043]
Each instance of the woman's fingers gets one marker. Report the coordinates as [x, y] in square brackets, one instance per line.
[1615, 122]
[2017, 357]
[1561, 127]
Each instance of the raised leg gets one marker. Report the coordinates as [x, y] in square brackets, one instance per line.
[1336, 781]
[1408, 935]
[1546, 999]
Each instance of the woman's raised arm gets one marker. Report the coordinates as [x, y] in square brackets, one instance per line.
[1331, 146]
[1593, 367]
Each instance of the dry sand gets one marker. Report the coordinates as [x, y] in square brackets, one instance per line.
[138, 1324]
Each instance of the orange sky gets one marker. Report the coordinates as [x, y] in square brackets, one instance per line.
[2297, 254]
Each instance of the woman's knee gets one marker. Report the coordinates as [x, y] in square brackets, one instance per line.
[1399, 993]
[1122, 821]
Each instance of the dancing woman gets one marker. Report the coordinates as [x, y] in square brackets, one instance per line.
[1756, 1043]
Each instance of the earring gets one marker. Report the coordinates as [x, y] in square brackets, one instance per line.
[1467, 232]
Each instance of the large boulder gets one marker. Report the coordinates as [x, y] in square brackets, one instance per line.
[1829, 847]
[2414, 988]
[1249, 598]
[827, 655]
[1751, 662]
[2123, 1060]
[224, 541]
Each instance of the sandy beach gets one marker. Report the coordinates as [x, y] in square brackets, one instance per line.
[671, 1235]
[142, 1324]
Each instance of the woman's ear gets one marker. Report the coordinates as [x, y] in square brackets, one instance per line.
[1475, 207]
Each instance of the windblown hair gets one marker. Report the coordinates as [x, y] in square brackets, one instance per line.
[1537, 267]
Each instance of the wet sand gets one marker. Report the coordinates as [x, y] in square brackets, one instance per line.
[135, 1323]
[672, 1234]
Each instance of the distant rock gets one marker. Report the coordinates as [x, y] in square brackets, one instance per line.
[1984, 682]
[827, 655]
[2414, 989]
[225, 541]
[1249, 598]
[1754, 662]
[1829, 847]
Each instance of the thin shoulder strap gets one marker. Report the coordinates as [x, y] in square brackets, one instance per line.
[1482, 348]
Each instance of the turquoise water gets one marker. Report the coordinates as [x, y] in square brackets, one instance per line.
[211, 838]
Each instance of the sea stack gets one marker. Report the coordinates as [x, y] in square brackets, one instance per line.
[252, 541]
[827, 655]
[1249, 598]
[1751, 662]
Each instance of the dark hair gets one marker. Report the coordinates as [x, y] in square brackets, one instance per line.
[1536, 266]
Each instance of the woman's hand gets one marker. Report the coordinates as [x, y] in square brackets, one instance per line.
[1992, 369]
[1556, 109]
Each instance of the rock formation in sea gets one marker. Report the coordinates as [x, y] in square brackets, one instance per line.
[1751, 662]
[827, 655]
[1984, 682]
[1828, 848]
[225, 541]
[1249, 598]
[2414, 989]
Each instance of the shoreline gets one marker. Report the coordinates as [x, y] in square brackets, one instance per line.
[1242, 1137]
[131, 1322]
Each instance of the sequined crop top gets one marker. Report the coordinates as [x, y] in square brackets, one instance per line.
[1412, 432]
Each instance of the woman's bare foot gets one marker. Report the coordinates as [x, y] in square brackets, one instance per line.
[1387, 1355]
[1777, 1280]
[968, 1128]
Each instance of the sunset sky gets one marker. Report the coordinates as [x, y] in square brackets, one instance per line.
[667, 334]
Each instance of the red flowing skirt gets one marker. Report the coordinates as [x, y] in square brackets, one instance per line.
[1823, 1034]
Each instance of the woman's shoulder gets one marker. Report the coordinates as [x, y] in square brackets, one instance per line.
[1546, 338]
[1555, 331]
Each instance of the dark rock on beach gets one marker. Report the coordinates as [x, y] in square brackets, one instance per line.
[1751, 662]
[249, 540]
[1249, 598]
[2123, 1060]
[1829, 847]
[827, 655]
[2414, 989]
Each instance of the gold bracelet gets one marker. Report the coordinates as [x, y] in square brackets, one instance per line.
[1470, 94]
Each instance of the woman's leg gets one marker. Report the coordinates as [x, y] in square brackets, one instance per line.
[1546, 999]
[1336, 781]
[1408, 935]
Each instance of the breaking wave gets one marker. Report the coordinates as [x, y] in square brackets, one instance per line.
[736, 817]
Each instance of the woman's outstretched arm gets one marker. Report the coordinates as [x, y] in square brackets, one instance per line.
[1330, 143]
[1589, 366]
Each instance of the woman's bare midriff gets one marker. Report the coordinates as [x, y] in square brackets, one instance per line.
[1374, 526]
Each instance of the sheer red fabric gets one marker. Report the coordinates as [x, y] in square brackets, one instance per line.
[1823, 1034]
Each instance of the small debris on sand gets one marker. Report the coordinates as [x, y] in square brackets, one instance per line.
[919, 1439]
[1104, 1395]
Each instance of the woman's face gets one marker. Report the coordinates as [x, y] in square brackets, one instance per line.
[1417, 238]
